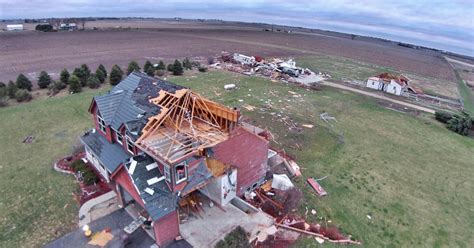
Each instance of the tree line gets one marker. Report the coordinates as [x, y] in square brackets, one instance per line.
[82, 76]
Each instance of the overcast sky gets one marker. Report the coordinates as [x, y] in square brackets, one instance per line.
[447, 24]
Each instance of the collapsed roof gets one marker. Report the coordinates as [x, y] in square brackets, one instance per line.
[399, 78]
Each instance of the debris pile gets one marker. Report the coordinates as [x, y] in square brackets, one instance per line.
[275, 69]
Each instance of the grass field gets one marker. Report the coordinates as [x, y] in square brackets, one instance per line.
[466, 93]
[410, 174]
[347, 69]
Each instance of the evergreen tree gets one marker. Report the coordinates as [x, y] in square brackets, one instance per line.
[100, 75]
[11, 89]
[81, 75]
[64, 76]
[187, 64]
[93, 82]
[86, 70]
[75, 85]
[169, 67]
[22, 82]
[161, 65]
[115, 75]
[44, 80]
[102, 68]
[133, 66]
[177, 68]
[150, 71]
[147, 66]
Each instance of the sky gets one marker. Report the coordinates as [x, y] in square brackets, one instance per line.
[446, 25]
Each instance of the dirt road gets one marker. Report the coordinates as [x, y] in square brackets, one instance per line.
[375, 95]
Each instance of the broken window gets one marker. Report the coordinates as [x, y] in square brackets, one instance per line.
[129, 144]
[119, 138]
[167, 173]
[101, 123]
[180, 172]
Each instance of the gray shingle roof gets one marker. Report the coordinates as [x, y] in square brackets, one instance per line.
[128, 101]
[163, 201]
[110, 155]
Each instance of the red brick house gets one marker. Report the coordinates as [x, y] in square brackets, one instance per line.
[159, 143]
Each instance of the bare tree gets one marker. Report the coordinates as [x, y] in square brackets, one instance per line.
[82, 21]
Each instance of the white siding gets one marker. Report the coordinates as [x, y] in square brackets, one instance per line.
[220, 189]
[373, 84]
[394, 88]
[96, 163]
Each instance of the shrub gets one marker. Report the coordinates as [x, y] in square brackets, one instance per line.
[187, 64]
[169, 67]
[88, 175]
[160, 73]
[150, 71]
[93, 82]
[3, 96]
[64, 76]
[23, 95]
[443, 117]
[235, 239]
[177, 68]
[102, 68]
[44, 27]
[115, 75]
[44, 80]
[132, 66]
[460, 124]
[161, 65]
[75, 85]
[202, 68]
[11, 89]
[100, 75]
[55, 87]
[22, 82]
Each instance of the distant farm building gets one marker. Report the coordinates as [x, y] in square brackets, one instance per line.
[14, 27]
[393, 84]
[68, 26]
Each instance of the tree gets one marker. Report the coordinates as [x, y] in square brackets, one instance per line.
[147, 65]
[86, 70]
[44, 80]
[150, 71]
[44, 27]
[169, 67]
[187, 64]
[23, 95]
[75, 85]
[81, 75]
[235, 239]
[3, 85]
[132, 66]
[64, 76]
[177, 68]
[460, 124]
[442, 116]
[11, 89]
[115, 75]
[3, 97]
[102, 68]
[161, 65]
[55, 87]
[93, 82]
[22, 82]
[100, 75]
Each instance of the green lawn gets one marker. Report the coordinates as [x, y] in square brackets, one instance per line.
[466, 93]
[411, 174]
[36, 203]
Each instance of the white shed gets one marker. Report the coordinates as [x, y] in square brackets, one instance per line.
[394, 88]
[14, 27]
[374, 83]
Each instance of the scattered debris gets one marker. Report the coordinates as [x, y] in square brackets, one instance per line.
[315, 185]
[28, 139]
[229, 87]
[248, 107]
[281, 182]
[327, 118]
[308, 125]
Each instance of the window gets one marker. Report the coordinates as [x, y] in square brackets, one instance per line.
[181, 172]
[167, 173]
[394, 88]
[101, 122]
[119, 137]
[129, 144]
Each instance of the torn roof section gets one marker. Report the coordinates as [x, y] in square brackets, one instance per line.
[128, 103]
[187, 123]
[151, 185]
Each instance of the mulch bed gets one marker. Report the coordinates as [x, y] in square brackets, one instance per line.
[86, 192]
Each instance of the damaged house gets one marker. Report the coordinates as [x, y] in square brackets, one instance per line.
[158, 144]
[393, 84]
